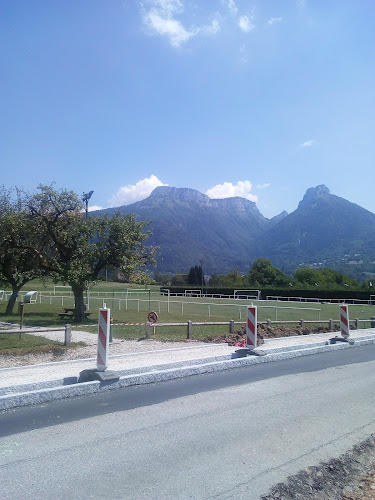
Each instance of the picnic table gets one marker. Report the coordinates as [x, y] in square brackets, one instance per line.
[69, 313]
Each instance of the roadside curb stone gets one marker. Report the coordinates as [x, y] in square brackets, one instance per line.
[43, 391]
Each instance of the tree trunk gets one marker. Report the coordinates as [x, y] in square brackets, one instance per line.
[12, 299]
[79, 305]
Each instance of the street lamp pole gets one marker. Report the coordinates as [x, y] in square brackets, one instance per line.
[85, 199]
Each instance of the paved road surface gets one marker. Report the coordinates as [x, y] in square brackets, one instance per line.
[220, 436]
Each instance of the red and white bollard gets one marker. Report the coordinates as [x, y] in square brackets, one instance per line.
[103, 338]
[344, 321]
[251, 328]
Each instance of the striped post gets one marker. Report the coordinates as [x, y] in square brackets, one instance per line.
[103, 338]
[251, 328]
[344, 321]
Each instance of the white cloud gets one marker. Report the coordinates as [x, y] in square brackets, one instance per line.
[231, 5]
[167, 7]
[263, 186]
[167, 18]
[92, 208]
[213, 28]
[136, 192]
[171, 28]
[246, 23]
[274, 20]
[309, 143]
[229, 190]
[159, 17]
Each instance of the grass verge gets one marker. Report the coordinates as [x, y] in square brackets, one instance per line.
[11, 344]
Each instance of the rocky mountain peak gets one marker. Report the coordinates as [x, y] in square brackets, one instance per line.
[235, 205]
[180, 194]
[313, 194]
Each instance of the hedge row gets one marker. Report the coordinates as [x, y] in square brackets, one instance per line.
[283, 292]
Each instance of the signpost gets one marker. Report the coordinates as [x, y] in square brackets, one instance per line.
[152, 317]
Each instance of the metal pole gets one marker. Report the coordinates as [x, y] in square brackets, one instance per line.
[148, 330]
[231, 326]
[68, 332]
[21, 314]
[189, 329]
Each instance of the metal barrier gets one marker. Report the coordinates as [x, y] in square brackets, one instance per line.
[67, 330]
[189, 324]
[283, 298]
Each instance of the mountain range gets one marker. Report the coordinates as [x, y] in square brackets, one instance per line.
[189, 227]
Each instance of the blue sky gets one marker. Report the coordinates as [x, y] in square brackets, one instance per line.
[260, 99]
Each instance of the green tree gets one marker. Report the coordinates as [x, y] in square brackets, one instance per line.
[195, 276]
[161, 279]
[74, 249]
[234, 278]
[324, 278]
[178, 279]
[217, 280]
[18, 266]
[307, 276]
[262, 272]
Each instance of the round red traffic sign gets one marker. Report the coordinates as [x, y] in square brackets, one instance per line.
[152, 317]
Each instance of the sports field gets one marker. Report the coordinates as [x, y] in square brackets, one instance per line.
[132, 305]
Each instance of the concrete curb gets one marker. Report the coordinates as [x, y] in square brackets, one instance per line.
[166, 372]
[49, 384]
[115, 356]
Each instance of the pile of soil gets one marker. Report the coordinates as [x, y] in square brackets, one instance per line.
[266, 332]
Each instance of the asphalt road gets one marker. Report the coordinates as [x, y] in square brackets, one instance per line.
[219, 436]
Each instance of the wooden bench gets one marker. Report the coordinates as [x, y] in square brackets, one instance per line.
[70, 314]
[66, 315]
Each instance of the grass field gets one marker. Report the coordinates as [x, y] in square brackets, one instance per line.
[132, 305]
[16, 344]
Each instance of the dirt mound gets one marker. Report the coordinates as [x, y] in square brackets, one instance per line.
[266, 332]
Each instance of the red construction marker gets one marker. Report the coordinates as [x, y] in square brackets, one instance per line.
[103, 339]
[344, 321]
[251, 327]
